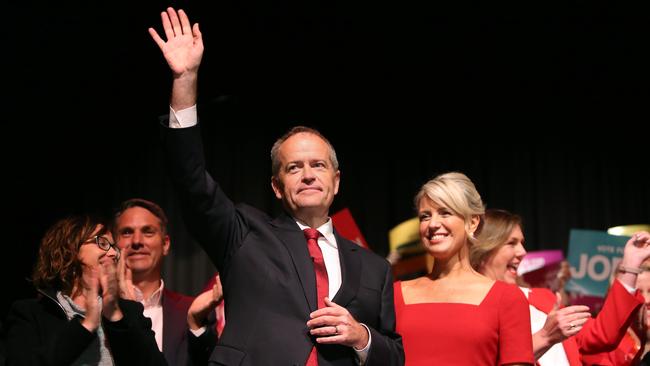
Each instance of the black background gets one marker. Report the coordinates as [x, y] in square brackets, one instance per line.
[542, 104]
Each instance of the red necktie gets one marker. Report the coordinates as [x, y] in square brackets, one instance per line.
[322, 282]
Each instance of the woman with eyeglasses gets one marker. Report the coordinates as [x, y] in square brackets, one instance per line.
[78, 317]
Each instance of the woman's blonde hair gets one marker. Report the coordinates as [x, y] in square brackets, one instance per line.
[456, 192]
[496, 232]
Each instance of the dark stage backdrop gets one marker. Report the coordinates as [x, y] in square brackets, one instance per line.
[532, 101]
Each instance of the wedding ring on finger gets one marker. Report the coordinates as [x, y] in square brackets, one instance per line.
[571, 326]
[336, 330]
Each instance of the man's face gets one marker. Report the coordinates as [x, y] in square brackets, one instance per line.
[142, 241]
[306, 182]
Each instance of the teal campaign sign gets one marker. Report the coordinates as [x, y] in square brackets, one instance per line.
[593, 256]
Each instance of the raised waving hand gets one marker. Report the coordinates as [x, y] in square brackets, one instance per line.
[182, 51]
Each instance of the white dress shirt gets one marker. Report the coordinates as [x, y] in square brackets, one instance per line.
[327, 244]
[153, 310]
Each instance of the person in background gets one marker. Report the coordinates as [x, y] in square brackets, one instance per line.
[633, 348]
[79, 318]
[214, 284]
[181, 328]
[454, 315]
[296, 292]
[560, 335]
[205, 312]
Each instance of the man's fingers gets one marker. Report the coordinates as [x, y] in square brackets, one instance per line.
[196, 33]
[323, 321]
[327, 331]
[329, 302]
[184, 21]
[156, 38]
[331, 308]
[216, 292]
[326, 311]
[167, 25]
[176, 24]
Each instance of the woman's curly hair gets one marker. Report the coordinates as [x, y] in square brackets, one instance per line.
[57, 265]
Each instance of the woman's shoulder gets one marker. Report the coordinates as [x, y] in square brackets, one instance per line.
[476, 282]
[23, 305]
[509, 292]
[542, 299]
[542, 292]
[35, 308]
[409, 283]
[413, 290]
[483, 281]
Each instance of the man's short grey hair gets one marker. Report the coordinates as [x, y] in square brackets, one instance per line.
[275, 161]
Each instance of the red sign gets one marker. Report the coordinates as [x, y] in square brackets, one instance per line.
[345, 225]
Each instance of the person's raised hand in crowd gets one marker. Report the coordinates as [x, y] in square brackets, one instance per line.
[560, 324]
[90, 291]
[183, 51]
[110, 288]
[125, 278]
[635, 252]
[203, 304]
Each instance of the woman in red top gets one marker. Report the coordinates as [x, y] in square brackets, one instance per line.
[634, 345]
[561, 336]
[454, 315]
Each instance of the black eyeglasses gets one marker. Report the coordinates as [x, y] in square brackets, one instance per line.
[104, 244]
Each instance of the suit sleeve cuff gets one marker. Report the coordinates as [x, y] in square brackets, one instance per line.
[199, 332]
[629, 288]
[362, 354]
[184, 118]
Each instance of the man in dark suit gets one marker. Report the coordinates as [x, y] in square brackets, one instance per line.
[266, 267]
[140, 231]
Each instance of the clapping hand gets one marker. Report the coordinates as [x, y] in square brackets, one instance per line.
[204, 304]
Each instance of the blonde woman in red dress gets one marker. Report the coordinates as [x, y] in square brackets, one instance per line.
[454, 315]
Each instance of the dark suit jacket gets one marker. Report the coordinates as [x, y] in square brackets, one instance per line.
[39, 333]
[268, 277]
[175, 330]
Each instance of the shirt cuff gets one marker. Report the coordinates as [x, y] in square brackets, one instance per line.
[199, 332]
[362, 354]
[629, 289]
[184, 118]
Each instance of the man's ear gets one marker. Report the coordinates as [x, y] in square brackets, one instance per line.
[166, 244]
[337, 180]
[276, 184]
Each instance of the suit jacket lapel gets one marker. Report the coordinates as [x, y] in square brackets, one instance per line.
[294, 240]
[350, 270]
